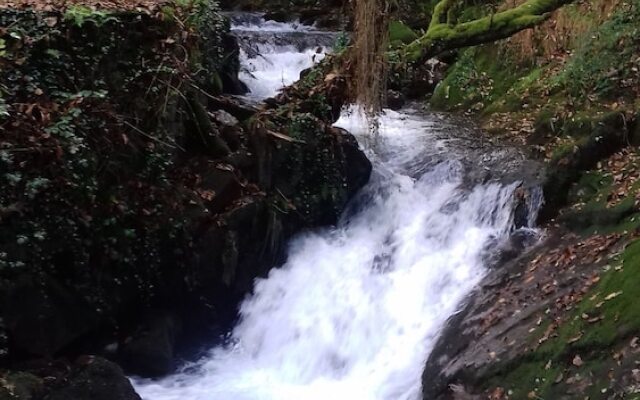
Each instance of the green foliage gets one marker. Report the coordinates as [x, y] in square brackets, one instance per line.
[400, 34]
[606, 63]
[88, 156]
[79, 15]
[342, 41]
[479, 78]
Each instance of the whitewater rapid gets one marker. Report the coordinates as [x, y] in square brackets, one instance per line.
[356, 309]
[272, 54]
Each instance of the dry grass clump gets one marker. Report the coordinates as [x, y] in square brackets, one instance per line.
[368, 55]
[559, 34]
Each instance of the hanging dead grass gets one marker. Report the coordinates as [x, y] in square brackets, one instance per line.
[368, 56]
[560, 33]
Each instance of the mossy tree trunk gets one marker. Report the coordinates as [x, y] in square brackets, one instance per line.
[445, 34]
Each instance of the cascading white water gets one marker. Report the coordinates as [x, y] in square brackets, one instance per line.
[272, 54]
[356, 309]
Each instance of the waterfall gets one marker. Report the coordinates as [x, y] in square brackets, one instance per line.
[272, 54]
[356, 309]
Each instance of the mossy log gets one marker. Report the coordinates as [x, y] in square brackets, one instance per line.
[443, 34]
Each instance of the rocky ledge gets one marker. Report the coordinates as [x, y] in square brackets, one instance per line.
[562, 321]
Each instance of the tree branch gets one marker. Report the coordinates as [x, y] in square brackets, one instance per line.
[442, 36]
[439, 11]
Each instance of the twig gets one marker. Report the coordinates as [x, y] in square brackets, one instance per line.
[155, 139]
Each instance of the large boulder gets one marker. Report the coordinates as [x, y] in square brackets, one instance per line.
[94, 378]
[42, 316]
[20, 386]
[150, 350]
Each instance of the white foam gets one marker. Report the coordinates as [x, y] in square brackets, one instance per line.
[275, 69]
[356, 309]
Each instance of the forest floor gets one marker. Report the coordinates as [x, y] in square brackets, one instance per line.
[63, 5]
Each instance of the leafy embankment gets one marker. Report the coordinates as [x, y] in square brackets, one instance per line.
[562, 323]
[321, 13]
[139, 202]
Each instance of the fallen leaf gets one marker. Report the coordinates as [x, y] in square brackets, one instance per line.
[612, 295]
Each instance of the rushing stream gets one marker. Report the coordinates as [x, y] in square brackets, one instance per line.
[356, 309]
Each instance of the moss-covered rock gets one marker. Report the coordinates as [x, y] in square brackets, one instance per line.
[599, 137]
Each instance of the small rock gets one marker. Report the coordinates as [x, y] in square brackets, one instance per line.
[225, 118]
[395, 100]
[577, 361]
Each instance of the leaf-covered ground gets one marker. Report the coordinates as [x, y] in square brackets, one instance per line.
[144, 6]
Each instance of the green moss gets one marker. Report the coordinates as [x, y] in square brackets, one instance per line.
[590, 185]
[399, 34]
[526, 377]
[455, 91]
[615, 301]
[595, 216]
[513, 99]
[481, 79]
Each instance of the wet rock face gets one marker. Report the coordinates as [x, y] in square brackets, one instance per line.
[93, 379]
[42, 316]
[150, 351]
[88, 378]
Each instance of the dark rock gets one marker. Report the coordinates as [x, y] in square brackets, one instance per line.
[233, 136]
[225, 118]
[21, 386]
[224, 186]
[418, 81]
[325, 18]
[395, 100]
[359, 166]
[239, 110]
[231, 83]
[278, 16]
[507, 250]
[521, 211]
[150, 351]
[94, 378]
[605, 135]
[42, 317]
[202, 136]
[4, 341]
